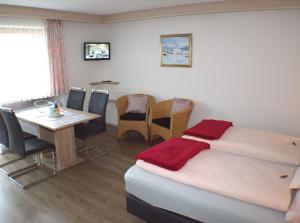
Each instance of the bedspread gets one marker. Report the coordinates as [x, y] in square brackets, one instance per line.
[250, 180]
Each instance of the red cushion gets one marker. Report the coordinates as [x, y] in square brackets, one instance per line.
[172, 154]
[209, 129]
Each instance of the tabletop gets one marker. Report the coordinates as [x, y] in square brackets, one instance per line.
[70, 117]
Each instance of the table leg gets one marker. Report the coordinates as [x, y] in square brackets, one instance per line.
[65, 145]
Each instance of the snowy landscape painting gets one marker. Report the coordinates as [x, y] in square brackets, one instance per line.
[176, 50]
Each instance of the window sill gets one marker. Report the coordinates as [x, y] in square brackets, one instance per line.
[21, 105]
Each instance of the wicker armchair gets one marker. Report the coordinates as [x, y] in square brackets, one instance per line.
[137, 123]
[166, 125]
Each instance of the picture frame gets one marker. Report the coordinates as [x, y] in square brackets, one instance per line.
[176, 50]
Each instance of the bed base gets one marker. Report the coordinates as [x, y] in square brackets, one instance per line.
[152, 214]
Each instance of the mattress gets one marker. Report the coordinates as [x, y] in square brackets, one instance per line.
[193, 202]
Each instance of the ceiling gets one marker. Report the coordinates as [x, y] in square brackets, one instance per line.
[100, 7]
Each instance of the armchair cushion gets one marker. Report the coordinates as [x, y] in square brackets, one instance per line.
[164, 122]
[179, 105]
[133, 116]
[137, 103]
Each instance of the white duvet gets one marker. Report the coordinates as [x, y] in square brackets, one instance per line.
[258, 144]
[247, 179]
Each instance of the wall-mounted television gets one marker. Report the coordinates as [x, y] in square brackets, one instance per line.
[96, 51]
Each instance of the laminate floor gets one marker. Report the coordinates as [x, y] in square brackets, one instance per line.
[90, 192]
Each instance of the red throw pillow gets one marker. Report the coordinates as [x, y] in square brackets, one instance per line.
[209, 129]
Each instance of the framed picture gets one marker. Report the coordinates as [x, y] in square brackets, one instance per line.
[176, 50]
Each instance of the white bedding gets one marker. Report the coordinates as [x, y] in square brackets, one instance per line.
[258, 144]
[195, 203]
[293, 215]
[243, 178]
[295, 183]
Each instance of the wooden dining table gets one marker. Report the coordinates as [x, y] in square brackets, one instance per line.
[58, 131]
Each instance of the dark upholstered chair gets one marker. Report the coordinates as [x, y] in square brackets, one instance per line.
[4, 140]
[97, 105]
[27, 135]
[22, 147]
[3, 133]
[76, 98]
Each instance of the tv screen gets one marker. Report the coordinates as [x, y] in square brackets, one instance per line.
[96, 51]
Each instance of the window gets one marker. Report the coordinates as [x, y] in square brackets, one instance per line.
[24, 62]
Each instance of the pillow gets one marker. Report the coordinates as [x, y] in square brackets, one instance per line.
[293, 214]
[209, 129]
[295, 184]
[179, 105]
[137, 103]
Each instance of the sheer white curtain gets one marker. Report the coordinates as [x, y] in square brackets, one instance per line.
[59, 79]
[24, 62]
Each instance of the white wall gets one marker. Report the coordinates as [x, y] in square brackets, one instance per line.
[82, 72]
[246, 65]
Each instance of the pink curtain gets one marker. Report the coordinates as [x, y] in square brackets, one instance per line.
[59, 79]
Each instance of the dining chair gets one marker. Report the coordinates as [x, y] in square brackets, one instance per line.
[24, 148]
[76, 98]
[97, 105]
[3, 133]
[4, 141]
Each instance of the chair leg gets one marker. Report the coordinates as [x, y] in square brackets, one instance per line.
[84, 146]
[10, 162]
[104, 152]
[86, 149]
[119, 134]
[3, 151]
[54, 162]
[2, 148]
[81, 145]
[24, 170]
[27, 169]
[38, 155]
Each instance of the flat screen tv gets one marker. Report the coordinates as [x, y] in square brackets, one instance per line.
[96, 51]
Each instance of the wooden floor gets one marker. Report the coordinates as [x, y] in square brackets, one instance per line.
[91, 192]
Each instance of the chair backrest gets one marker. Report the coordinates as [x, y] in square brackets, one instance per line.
[151, 101]
[98, 102]
[76, 98]
[15, 133]
[170, 103]
[122, 103]
[3, 133]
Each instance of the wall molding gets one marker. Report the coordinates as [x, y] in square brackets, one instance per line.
[191, 9]
[204, 8]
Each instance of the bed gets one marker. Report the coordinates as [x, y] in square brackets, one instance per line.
[156, 199]
[159, 198]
